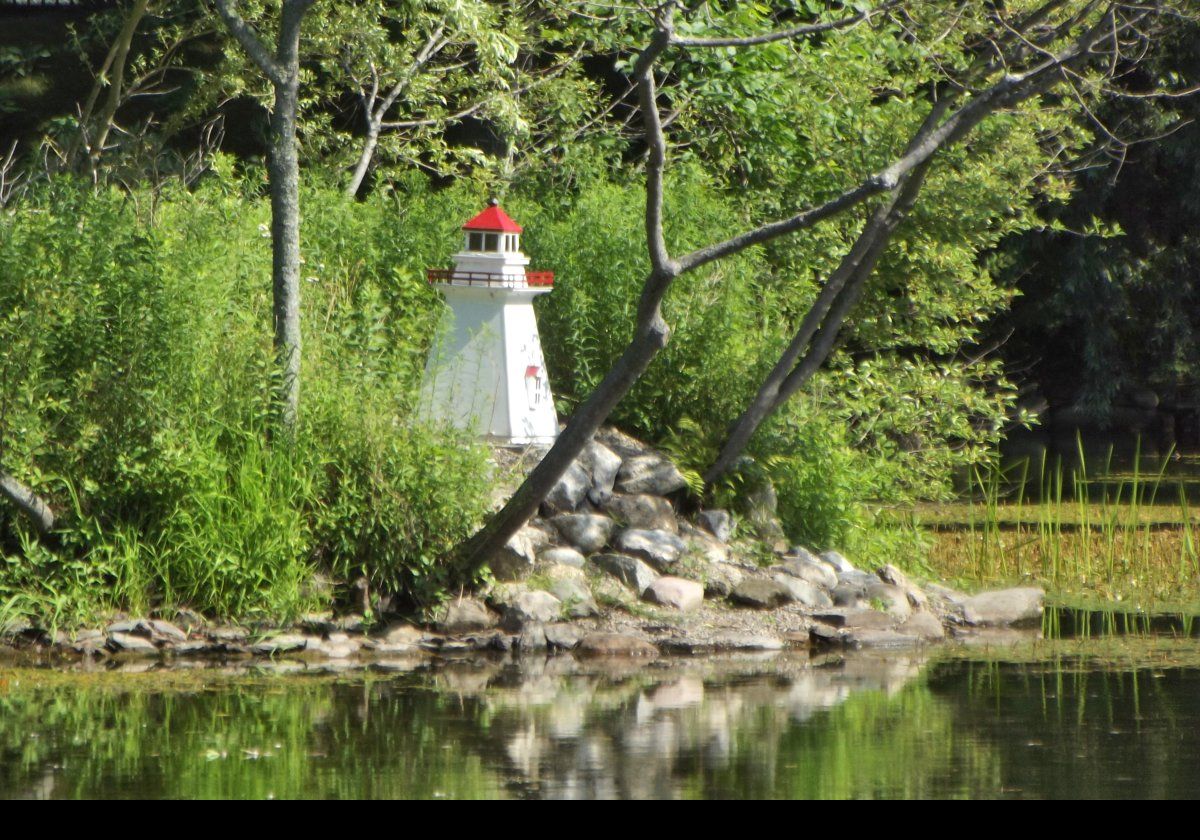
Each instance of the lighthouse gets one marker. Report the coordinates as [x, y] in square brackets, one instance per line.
[486, 372]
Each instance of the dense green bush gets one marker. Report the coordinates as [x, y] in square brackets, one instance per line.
[134, 394]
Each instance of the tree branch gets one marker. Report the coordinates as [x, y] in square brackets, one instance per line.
[28, 503]
[785, 34]
[250, 42]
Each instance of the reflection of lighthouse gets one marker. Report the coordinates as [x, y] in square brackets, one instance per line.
[486, 371]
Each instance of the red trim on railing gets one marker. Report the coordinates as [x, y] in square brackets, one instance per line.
[540, 279]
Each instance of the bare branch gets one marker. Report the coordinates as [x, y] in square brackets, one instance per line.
[656, 143]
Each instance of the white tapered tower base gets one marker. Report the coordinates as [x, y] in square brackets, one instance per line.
[486, 373]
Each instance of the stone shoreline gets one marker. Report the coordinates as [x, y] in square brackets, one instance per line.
[609, 568]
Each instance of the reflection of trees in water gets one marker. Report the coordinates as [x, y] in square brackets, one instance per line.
[709, 728]
[1067, 728]
[744, 727]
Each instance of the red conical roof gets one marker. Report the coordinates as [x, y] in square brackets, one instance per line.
[493, 219]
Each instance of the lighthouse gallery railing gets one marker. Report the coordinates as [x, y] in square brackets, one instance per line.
[540, 279]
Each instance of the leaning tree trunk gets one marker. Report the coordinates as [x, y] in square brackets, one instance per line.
[370, 143]
[649, 339]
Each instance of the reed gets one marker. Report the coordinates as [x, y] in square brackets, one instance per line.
[1085, 531]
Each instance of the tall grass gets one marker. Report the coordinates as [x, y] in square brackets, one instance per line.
[1083, 529]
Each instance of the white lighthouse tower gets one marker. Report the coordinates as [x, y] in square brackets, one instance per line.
[486, 371]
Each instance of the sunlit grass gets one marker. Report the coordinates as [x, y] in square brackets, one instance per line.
[1126, 536]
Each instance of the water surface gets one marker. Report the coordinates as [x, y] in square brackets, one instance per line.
[1063, 720]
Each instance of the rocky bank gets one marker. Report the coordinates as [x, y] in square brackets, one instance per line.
[611, 567]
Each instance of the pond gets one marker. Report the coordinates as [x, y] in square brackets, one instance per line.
[1066, 719]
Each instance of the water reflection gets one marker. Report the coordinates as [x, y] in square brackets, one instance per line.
[771, 726]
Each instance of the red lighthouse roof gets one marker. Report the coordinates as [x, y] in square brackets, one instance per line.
[493, 219]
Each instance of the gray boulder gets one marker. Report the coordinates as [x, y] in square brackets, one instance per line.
[651, 474]
[575, 596]
[642, 511]
[761, 593]
[531, 607]
[561, 556]
[661, 549]
[893, 598]
[562, 636]
[629, 570]
[840, 563]
[721, 578]
[602, 464]
[588, 532]
[1022, 606]
[516, 560]
[466, 615]
[615, 644]
[808, 594]
[570, 490]
[719, 523]
[676, 593]
[816, 573]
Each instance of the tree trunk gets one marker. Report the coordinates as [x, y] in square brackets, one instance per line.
[284, 170]
[29, 503]
[580, 428]
[847, 282]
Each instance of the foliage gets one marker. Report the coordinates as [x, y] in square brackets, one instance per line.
[132, 386]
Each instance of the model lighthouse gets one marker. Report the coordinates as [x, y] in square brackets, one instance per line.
[486, 370]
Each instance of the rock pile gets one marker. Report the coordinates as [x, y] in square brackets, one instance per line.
[610, 567]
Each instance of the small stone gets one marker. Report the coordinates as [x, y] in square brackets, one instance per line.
[1005, 607]
[661, 549]
[285, 643]
[815, 573]
[641, 511]
[615, 644]
[588, 532]
[561, 556]
[677, 593]
[760, 593]
[466, 615]
[746, 641]
[806, 593]
[719, 523]
[629, 570]
[651, 474]
[570, 490]
[533, 607]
